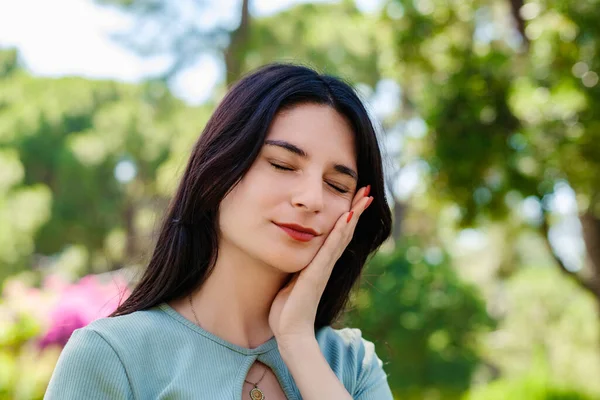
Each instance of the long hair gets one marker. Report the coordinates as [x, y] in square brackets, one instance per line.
[187, 244]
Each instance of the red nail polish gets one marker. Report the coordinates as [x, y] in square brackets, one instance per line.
[367, 190]
[350, 216]
[369, 202]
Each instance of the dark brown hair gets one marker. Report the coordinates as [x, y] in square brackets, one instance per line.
[186, 249]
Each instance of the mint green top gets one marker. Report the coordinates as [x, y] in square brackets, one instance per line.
[159, 354]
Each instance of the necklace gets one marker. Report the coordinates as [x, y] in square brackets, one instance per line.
[255, 393]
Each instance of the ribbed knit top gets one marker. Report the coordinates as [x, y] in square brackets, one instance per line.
[159, 354]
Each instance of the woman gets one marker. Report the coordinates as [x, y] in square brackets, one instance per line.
[267, 233]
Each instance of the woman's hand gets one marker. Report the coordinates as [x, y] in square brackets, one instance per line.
[294, 309]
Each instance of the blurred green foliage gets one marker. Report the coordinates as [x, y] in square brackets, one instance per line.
[427, 321]
[503, 117]
[62, 142]
[545, 325]
[536, 384]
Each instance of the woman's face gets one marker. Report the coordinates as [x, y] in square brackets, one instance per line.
[315, 145]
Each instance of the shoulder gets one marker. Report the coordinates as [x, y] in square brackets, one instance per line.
[134, 325]
[350, 337]
[346, 346]
[111, 334]
[354, 360]
[125, 337]
[100, 360]
[89, 367]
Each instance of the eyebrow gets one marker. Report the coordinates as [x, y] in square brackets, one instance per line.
[343, 169]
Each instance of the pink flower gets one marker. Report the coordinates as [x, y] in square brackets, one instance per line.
[81, 303]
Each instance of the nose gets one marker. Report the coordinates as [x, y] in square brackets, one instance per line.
[309, 193]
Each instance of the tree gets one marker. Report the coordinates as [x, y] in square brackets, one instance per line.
[85, 158]
[176, 29]
[507, 115]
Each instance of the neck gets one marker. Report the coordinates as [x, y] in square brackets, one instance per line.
[235, 301]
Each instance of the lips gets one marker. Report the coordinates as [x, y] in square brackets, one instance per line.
[298, 232]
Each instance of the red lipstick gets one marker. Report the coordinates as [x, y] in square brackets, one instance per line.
[298, 232]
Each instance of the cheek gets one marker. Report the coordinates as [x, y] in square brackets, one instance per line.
[261, 188]
[236, 210]
[337, 209]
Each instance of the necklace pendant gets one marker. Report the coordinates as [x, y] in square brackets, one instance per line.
[257, 394]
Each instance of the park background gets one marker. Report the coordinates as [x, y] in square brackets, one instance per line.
[488, 114]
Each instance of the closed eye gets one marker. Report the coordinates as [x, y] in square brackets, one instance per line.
[282, 168]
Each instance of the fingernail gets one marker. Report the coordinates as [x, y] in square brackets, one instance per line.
[350, 216]
[367, 190]
[369, 202]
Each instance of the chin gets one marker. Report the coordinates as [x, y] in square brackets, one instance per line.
[284, 263]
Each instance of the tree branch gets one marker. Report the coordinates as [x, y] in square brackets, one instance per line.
[515, 7]
[591, 236]
[234, 55]
[591, 285]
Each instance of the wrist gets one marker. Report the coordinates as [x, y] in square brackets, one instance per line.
[298, 345]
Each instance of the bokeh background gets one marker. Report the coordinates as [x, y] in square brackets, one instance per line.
[489, 117]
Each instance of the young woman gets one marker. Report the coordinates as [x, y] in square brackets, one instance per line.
[280, 205]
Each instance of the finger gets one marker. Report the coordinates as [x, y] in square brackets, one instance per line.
[344, 228]
[358, 209]
[319, 269]
[362, 192]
